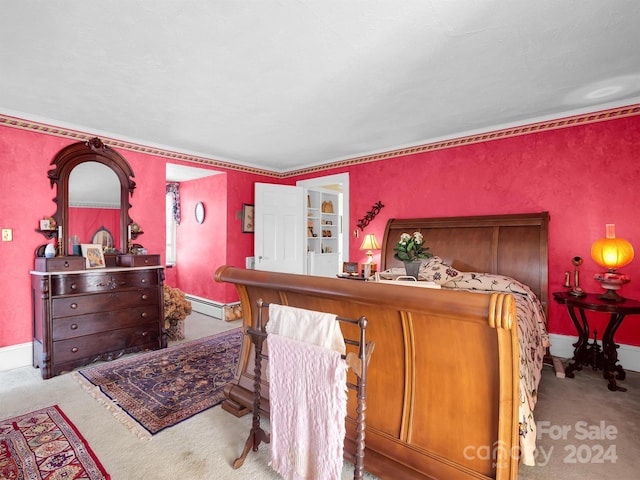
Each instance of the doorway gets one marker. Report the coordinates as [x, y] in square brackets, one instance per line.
[339, 183]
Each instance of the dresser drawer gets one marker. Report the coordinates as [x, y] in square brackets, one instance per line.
[104, 302]
[83, 316]
[79, 325]
[102, 282]
[138, 260]
[59, 264]
[99, 345]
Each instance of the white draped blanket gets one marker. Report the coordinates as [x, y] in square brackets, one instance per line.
[308, 406]
[308, 326]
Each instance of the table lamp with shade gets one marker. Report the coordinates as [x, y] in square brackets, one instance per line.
[612, 253]
[370, 244]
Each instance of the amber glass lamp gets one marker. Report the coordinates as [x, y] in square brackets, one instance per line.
[612, 253]
[370, 244]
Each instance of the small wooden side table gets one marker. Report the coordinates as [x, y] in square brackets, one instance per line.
[586, 353]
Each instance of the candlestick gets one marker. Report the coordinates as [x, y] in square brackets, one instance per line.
[59, 232]
[128, 233]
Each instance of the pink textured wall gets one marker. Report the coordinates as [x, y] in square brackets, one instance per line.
[150, 174]
[584, 176]
[85, 222]
[27, 195]
[219, 240]
[201, 247]
[26, 198]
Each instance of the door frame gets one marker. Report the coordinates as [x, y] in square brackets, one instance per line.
[341, 179]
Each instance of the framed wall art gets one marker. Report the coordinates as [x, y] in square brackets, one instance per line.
[247, 218]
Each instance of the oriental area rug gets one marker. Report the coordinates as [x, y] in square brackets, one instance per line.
[45, 445]
[159, 389]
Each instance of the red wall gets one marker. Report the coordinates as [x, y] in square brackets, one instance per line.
[85, 222]
[27, 195]
[201, 248]
[585, 176]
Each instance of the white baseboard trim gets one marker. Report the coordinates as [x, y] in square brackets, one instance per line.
[16, 356]
[208, 307]
[562, 346]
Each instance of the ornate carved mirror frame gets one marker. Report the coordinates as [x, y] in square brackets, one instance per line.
[92, 150]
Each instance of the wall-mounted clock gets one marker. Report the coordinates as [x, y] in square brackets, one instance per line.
[199, 212]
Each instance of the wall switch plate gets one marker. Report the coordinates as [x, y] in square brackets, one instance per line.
[250, 263]
[7, 234]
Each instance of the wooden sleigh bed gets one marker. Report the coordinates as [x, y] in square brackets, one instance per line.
[443, 392]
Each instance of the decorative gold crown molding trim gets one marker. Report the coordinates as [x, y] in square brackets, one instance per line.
[565, 122]
[19, 123]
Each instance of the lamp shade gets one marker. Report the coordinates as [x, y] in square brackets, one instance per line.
[370, 242]
[611, 252]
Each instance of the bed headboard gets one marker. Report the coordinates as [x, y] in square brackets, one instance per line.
[511, 245]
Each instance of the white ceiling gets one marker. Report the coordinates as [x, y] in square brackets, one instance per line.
[285, 84]
[183, 173]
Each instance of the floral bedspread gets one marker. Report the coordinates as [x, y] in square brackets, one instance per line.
[533, 338]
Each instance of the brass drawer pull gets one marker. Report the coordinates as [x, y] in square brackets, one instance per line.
[74, 350]
[74, 326]
[66, 264]
[111, 284]
[144, 280]
[145, 334]
[145, 296]
[74, 306]
[74, 286]
[144, 314]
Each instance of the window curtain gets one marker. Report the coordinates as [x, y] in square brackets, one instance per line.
[174, 190]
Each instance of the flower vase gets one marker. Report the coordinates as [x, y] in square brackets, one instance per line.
[413, 268]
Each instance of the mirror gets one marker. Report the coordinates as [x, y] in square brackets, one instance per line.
[80, 171]
[94, 207]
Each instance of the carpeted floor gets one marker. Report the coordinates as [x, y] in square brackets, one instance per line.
[45, 444]
[204, 446]
[158, 389]
[586, 431]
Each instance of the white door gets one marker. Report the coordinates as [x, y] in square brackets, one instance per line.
[279, 239]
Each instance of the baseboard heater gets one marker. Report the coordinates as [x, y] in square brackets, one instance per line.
[209, 307]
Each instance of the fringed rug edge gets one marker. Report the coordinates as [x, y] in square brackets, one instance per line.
[120, 414]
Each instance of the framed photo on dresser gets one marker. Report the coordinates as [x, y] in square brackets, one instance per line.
[92, 252]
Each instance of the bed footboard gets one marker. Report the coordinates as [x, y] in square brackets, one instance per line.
[442, 393]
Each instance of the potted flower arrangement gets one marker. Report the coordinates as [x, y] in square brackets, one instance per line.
[410, 250]
[176, 309]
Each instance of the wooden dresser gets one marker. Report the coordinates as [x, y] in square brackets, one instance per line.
[82, 316]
